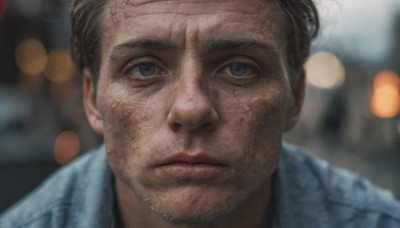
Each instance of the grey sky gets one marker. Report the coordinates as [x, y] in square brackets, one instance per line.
[358, 29]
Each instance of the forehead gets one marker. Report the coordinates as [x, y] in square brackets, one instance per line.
[196, 20]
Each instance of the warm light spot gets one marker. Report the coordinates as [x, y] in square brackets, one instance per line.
[385, 101]
[325, 71]
[60, 67]
[386, 78]
[66, 147]
[31, 57]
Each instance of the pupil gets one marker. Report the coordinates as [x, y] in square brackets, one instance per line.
[237, 69]
[147, 69]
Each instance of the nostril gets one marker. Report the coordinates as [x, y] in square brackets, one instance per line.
[176, 126]
[206, 126]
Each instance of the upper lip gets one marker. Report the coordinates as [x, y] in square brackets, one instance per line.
[200, 158]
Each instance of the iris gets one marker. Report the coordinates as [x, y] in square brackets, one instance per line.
[238, 69]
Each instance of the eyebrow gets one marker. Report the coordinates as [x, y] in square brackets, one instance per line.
[229, 44]
[211, 45]
[155, 44]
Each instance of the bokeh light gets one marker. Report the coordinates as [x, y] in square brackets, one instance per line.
[385, 100]
[66, 147]
[31, 57]
[60, 66]
[325, 71]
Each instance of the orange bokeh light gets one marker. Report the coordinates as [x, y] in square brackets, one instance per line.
[66, 147]
[60, 67]
[31, 57]
[385, 101]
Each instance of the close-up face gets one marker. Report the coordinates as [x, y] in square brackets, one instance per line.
[192, 99]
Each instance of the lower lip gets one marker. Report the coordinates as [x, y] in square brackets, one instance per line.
[191, 171]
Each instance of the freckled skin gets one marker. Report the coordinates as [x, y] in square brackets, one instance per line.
[192, 107]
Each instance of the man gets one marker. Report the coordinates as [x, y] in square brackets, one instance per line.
[192, 98]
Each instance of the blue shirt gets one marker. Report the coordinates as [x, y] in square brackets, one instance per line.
[308, 193]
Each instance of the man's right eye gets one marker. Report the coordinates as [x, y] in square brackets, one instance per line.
[144, 70]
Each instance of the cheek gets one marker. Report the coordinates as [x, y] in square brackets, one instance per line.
[121, 118]
[260, 116]
[256, 127]
[130, 126]
[119, 133]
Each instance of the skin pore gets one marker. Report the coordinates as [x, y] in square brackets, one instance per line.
[192, 99]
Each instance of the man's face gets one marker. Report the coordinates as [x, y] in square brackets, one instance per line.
[192, 99]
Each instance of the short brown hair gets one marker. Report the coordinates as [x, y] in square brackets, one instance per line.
[86, 32]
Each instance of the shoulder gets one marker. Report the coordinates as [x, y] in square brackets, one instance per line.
[56, 200]
[341, 196]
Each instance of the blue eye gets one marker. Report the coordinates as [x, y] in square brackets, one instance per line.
[238, 69]
[145, 70]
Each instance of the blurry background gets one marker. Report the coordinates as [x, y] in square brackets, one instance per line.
[351, 115]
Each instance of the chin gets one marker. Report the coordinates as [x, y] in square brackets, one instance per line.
[192, 216]
[199, 207]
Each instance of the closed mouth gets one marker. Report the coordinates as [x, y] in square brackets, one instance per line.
[186, 167]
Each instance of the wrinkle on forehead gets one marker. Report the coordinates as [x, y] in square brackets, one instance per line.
[135, 8]
[260, 10]
[209, 2]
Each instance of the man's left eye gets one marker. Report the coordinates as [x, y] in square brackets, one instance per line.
[145, 70]
[238, 69]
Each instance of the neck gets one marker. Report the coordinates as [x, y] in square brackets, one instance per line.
[254, 212]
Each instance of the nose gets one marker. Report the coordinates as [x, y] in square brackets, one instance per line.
[192, 109]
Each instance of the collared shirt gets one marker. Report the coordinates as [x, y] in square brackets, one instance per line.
[308, 193]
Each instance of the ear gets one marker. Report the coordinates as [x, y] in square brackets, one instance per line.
[298, 92]
[90, 102]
